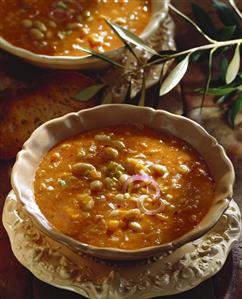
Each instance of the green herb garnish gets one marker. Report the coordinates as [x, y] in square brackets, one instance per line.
[62, 183]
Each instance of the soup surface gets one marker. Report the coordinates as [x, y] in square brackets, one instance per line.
[59, 27]
[124, 187]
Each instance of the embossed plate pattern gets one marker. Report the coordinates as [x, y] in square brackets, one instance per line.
[171, 273]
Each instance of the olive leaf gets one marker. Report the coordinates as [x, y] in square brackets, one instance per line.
[101, 56]
[122, 39]
[218, 91]
[174, 76]
[232, 3]
[225, 13]
[108, 98]
[226, 32]
[208, 76]
[191, 22]
[223, 67]
[196, 56]
[234, 65]
[203, 19]
[131, 37]
[142, 94]
[235, 108]
[88, 93]
[223, 99]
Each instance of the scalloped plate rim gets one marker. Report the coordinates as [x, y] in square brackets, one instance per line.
[81, 291]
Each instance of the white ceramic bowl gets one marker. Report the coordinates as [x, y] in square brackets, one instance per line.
[54, 131]
[159, 10]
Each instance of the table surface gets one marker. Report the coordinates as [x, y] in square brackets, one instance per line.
[18, 283]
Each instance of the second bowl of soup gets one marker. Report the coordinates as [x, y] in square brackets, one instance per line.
[52, 33]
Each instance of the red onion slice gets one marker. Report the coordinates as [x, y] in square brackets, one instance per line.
[140, 201]
[144, 178]
[143, 209]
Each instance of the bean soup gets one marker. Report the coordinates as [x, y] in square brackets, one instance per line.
[124, 187]
[60, 27]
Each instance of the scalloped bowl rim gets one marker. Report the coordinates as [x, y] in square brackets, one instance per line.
[157, 16]
[120, 114]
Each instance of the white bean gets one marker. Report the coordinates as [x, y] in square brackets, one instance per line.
[118, 144]
[96, 185]
[26, 23]
[110, 153]
[36, 34]
[135, 226]
[81, 168]
[102, 137]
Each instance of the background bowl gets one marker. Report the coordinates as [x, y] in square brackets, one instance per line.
[159, 10]
[54, 131]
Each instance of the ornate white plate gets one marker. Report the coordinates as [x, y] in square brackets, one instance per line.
[171, 273]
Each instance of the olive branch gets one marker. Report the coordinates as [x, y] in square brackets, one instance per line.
[227, 88]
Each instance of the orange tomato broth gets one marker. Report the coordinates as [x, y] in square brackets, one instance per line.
[105, 214]
[59, 27]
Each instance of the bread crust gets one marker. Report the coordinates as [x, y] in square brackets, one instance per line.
[50, 97]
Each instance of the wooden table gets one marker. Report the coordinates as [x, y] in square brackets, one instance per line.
[18, 283]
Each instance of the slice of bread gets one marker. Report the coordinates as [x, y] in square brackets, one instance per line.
[50, 97]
